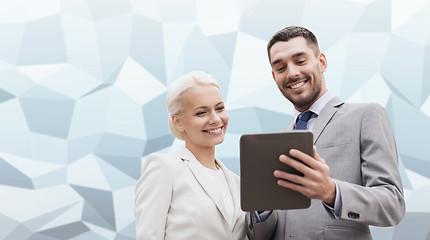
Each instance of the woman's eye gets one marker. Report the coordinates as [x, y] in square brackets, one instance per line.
[200, 113]
[220, 108]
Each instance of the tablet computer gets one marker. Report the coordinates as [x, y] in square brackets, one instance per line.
[259, 158]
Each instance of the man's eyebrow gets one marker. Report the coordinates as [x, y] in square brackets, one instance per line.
[276, 61]
[298, 54]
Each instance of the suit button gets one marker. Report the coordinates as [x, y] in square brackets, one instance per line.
[353, 215]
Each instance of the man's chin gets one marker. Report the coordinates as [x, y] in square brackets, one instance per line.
[298, 100]
[301, 103]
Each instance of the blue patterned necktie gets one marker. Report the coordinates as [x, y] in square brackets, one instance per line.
[303, 118]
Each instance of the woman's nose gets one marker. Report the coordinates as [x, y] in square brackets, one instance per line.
[214, 118]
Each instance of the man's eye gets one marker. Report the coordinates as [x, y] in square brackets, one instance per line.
[281, 69]
[301, 62]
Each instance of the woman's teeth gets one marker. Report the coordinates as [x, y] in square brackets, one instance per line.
[217, 130]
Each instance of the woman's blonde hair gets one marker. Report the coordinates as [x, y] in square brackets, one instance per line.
[175, 95]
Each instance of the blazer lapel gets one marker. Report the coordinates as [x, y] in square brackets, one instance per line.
[232, 184]
[234, 191]
[324, 118]
[195, 167]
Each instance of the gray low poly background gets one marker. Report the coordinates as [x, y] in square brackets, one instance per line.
[83, 86]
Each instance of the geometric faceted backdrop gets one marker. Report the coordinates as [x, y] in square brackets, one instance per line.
[83, 86]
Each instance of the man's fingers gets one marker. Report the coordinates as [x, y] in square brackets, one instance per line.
[298, 165]
[292, 178]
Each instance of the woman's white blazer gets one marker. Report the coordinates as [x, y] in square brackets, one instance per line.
[176, 200]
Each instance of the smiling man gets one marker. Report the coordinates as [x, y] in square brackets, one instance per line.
[353, 178]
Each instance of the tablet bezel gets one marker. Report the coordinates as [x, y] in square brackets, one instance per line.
[259, 158]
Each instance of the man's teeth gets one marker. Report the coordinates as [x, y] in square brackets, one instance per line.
[298, 85]
[218, 130]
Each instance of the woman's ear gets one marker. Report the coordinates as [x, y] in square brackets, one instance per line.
[177, 122]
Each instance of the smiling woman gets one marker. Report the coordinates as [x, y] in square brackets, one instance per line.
[203, 121]
[190, 194]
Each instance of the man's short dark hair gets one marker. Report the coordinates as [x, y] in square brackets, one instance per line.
[291, 32]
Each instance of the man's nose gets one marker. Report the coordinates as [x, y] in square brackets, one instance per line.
[293, 72]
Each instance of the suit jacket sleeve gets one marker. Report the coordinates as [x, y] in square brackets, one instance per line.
[379, 201]
[152, 199]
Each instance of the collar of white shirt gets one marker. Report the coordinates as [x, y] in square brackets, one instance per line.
[317, 107]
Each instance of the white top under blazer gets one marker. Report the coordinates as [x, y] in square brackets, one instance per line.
[176, 199]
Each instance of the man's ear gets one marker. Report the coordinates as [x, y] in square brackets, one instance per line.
[177, 122]
[323, 62]
[273, 75]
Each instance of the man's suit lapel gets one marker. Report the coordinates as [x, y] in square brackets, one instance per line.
[202, 179]
[324, 118]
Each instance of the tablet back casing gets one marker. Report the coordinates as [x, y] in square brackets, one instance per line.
[259, 158]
